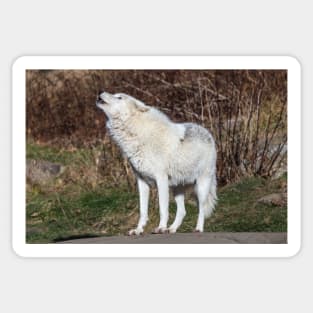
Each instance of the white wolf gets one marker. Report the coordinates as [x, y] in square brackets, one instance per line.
[168, 154]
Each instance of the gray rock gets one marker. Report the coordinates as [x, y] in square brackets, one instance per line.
[41, 172]
[280, 172]
[278, 199]
[188, 238]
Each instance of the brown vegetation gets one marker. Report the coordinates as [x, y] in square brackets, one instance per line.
[245, 110]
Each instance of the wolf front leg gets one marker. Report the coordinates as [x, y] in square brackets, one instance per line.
[163, 191]
[144, 189]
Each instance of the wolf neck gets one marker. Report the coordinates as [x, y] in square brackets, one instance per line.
[152, 130]
[126, 134]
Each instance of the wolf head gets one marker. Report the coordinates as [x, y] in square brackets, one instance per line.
[119, 105]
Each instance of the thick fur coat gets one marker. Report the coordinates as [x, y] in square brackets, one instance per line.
[164, 153]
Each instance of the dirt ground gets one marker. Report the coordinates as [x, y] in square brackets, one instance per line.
[188, 238]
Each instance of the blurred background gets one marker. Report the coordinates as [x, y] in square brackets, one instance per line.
[79, 184]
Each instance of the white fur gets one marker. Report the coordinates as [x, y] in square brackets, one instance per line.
[165, 153]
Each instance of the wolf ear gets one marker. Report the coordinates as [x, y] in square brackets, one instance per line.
[141, 107]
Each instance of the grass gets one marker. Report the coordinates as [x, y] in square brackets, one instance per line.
[238, 209]
[71, 209]
[55, 217]
[52, 154]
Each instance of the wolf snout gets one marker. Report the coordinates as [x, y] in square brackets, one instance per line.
[99, 96]
[99, 102]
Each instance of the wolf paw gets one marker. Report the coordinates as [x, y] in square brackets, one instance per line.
[196, 230]
[172, 230]
[135, 232]
[160, 230]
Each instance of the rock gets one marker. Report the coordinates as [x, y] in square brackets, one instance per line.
[278, 199]
[188, 238]
[41, 172]
[279, 173]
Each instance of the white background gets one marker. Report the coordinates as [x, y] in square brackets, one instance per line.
[166, 28]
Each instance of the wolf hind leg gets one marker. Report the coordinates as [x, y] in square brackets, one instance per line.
[206, 194]
[181, 211]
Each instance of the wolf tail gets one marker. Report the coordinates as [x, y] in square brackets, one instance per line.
[206, 192]
[211, 198]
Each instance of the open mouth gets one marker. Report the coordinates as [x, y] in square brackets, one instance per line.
[100, 102]
[103, 100]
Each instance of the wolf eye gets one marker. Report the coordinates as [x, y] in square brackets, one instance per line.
[119, 97]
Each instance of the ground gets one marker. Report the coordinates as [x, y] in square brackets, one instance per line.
[188, 238]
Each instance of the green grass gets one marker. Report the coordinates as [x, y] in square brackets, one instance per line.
[56, 217]
[53, 217]
[52, 154]
[73, 210]
[239, 211]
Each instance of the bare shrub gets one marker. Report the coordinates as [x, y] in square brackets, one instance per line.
[246, 111]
